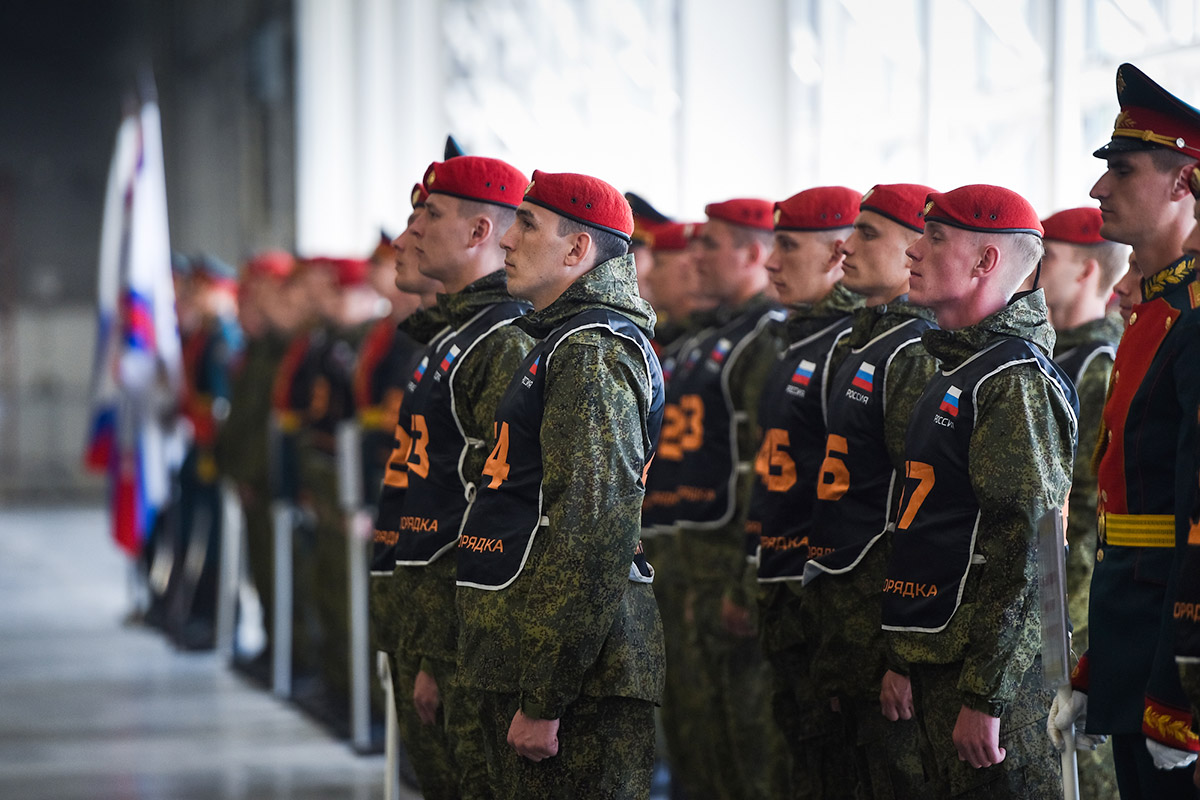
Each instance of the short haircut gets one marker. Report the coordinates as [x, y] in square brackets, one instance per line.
[744, 236]
[607, 245]
[1027, 250]
[1113, 258]
[502, 217]
[1166, 160]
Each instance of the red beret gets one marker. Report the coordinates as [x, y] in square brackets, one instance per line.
[900, 202]
[583, 199]
[674, 237]
[419, 195]
[819, 209]
[350, 271]
[1074, 226]
[488, 180]
[1151, 117]
[748, 211]
[270, 264]
[980, 207]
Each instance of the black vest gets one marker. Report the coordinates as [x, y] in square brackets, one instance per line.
[938, 515]
[701, 426]
[856, 481]
[792, 416]
[658, 509]
[438, 491]
[390, 507]
[1075, 361]
[500, 526]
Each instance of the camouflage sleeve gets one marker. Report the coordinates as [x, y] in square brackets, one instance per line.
[1081, 515]
[1020, 468]
[746, 380]
[907, 375]
[482, 379]
[593, 434]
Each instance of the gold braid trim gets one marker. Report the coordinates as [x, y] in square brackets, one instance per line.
[1181, 271]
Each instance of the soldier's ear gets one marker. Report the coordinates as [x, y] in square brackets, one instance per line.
[989, 259]
[581, 247]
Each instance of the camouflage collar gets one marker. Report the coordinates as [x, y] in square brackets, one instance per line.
[757, 304]
[1024, 318]
[876, 320]
[461, 306]
[806, 319]
[611, 284]
[1180, 272]
[424, 323]
[1105, 329]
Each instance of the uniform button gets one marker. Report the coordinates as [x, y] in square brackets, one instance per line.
[1110, 436]
[1116, 376]
[1099, 555]
[1104, 492]
[1133, 318]
[1168, 323]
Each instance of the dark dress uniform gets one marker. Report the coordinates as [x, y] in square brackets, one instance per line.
[556, 608]
[1146, 475]
[208, 356]
[881, 370]
[988, 454]
[792, 418]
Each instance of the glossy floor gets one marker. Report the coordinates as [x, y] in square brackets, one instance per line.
[93, 709]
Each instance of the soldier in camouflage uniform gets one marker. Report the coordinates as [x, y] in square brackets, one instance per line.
[674, 285]
[560, 637]
[710, 431]
[449, 411]
[988, 453]
[805, 267]
[878, 372]
[242, 443]
[1127, 683]
[1078, 274]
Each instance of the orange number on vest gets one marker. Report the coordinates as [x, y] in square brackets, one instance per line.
[418, 460]
[496, 467]
[693, 415]
[924, 474]
[396, 474]
[835, 478]
[672, 429]
[774, 464]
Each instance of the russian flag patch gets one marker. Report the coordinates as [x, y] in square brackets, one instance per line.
[449, 359]
[950, 401]
[803, 373]
[419, 372]
[533, 368]
[720, 350]
[865, 377]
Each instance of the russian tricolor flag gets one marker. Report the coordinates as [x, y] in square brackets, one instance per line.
[803, 373]
[419, 372]
[449, 359]
[865, 377]
[720, 350]
[533, 368]
[950, 401]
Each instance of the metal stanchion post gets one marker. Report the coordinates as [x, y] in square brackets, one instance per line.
[349, 450]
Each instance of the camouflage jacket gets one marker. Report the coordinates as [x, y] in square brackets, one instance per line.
[430, 629]
[719, 555]
[242, 442]
[573, 623]
[1097, 339]
[1020, 461]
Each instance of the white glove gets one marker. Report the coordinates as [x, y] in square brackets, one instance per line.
[1168, 757]
[1072, 712]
